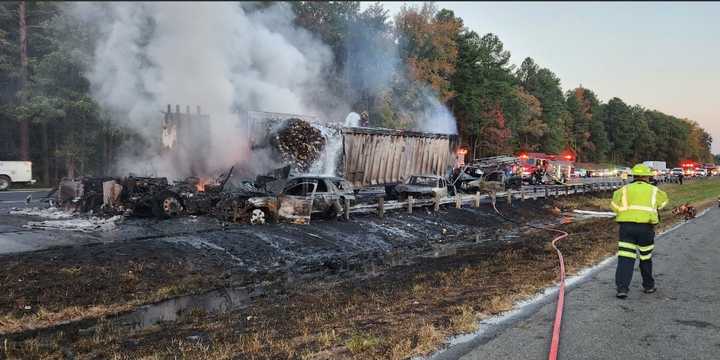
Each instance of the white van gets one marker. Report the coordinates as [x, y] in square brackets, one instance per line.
[15, 172]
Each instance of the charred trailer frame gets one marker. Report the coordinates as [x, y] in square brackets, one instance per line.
[375, 156]
[186, 136]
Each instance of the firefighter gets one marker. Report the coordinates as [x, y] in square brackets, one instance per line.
[636, 207]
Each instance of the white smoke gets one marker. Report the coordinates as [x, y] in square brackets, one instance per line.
[374, 65]
[328, 162]
[435, 117]
[215, 54]
[352, 119]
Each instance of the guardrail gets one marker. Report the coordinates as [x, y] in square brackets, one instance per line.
[460, 200]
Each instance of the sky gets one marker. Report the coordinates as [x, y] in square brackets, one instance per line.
[661, 55]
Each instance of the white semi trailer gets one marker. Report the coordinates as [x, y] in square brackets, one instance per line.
[15, 172]
[656, 165]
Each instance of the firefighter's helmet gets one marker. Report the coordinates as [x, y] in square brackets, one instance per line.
[641, 170]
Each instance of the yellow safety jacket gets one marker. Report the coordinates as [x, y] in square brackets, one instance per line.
[638, 202]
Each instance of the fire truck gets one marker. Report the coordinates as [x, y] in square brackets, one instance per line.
[541, 168]
[691, 168]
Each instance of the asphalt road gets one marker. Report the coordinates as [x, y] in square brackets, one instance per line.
[680, 321]
[16, 198]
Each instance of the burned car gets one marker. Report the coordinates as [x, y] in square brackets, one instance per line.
[493, 181]
[465, 174]
[423, 186]
[327, 193]
[244, 202]
[299, 199]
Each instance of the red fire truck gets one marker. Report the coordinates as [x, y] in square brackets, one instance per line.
[690, 167]
[558, 167]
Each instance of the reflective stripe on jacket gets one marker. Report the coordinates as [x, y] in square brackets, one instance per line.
[638, 202]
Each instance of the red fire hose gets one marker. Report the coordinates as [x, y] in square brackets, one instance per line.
[555, 341]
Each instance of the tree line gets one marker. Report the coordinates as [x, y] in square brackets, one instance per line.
[385, 66]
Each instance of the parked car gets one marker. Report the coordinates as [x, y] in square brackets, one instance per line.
[701, 172]
[676, 171]
[423, 186]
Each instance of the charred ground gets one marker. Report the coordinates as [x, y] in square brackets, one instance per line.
[367, 288]
[145, 261]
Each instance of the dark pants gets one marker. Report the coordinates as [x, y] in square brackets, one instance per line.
[636, 242]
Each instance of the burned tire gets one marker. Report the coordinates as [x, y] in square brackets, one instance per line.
[258, 216]
[4, 182]
[166, 205]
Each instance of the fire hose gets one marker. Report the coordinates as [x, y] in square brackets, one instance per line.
[555, 341]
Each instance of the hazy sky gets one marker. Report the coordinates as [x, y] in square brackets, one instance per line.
[659, 55]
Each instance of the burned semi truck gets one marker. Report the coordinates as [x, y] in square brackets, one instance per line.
[281, 146]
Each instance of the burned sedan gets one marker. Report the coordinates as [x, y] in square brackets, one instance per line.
[493, 182]
[423, 186]
[327, 193]
[244, 202]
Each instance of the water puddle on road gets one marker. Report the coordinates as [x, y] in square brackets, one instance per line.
[216, 301]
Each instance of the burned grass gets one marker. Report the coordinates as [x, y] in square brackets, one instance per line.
[76, 283]
[408, 310]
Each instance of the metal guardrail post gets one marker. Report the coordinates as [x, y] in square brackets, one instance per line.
[347, 209]
[381, 207]
[522, 194]
[410, 201]
[477, 199]
[436, 203]
[509, 197]
[547, 192]
[458, 201]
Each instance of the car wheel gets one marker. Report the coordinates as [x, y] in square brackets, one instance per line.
[258, 217]
[4, 183]
[167, 205]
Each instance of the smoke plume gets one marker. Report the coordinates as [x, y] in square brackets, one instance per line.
[228, 58]
[222, 56]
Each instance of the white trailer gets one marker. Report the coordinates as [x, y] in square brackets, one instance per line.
[656, 165]
[15, 172]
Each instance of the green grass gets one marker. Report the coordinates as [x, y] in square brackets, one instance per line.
[692, 191]
[361, 342]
